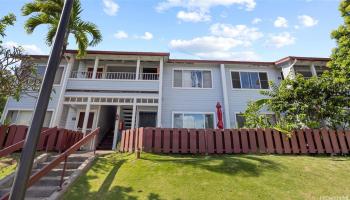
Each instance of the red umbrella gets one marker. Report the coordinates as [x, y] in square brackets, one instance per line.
[220, 124]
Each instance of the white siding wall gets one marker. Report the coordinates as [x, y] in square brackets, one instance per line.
[189, 100]
[238, 98]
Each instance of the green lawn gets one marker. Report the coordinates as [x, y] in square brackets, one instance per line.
[121, 176]
[8, 165]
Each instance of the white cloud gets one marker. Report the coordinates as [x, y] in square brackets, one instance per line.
[205, 44]
[199, 10]
[239, 32]
[307, 21]
[229, 55]
[281, 22]
[204, 5]
[145, 36]
[27, 48]
[121, 35]
[256, 20]
[281, 40]
[193, 16]
[110, 7]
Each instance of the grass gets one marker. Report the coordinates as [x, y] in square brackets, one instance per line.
[121, 176]
[8, 165]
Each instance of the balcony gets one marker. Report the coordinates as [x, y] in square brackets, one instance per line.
[115, 75]
[113, 81]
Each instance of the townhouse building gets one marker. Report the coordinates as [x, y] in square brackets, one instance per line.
[121, 90]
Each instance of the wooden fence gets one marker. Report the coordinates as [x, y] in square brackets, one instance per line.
[228, 141]
[56, 140]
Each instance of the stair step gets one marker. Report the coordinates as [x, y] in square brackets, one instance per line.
[50, 181]
[69, 165]
[41, 191]
[72, 158]
[57, 172]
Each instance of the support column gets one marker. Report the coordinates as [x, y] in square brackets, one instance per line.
[59, 108]
[313, 70]
[94, 72]
[133, 119]
[160, 93]
[86, 116]
[138, 68]
[227, 123]
[116, 129]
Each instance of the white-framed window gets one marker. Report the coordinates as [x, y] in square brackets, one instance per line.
[58, 77]
[183, 78]
[24, 117]
[304, 70]
[240, 119]
[193, 120]
[320, 70]
[249, 80]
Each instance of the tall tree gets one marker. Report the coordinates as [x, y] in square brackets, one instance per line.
[17, 71]
[47, 12]
[319, 101]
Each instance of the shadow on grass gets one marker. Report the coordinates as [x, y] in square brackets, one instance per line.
[245, 165]
[102, 165]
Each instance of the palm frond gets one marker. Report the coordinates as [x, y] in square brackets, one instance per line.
[82, 42]
[92, 30]
[51, 34]
[37, 20]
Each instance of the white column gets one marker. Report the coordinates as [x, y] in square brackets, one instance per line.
[133, 119]
[313, 70]
[58, 112]
[86, 116]
[116, 129]
[97, 60]
[4, 112]
[138, 68]
[224, 92]
[160, 93]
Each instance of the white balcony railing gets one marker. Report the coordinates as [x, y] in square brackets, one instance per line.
[115, 75]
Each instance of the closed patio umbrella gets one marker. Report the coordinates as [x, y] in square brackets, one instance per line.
[220, 124]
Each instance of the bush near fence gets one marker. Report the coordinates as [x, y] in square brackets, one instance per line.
[229, 141]
[56, 140]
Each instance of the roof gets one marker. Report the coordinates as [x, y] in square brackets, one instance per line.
[192, 61]
[218, 62]
[289, 58]
[124, 53]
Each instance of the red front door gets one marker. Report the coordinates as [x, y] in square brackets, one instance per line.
[81, 120]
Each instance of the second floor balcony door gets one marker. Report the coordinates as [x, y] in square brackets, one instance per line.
[98, 73]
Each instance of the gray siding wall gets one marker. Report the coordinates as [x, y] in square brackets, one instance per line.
[189, 100]
[238, 98]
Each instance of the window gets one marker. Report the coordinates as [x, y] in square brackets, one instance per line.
[240, 119]
[24, 117]
[250, 80]
[193, 120]
[303, 70]
[192, 79]
[320, 70]
[58, 77]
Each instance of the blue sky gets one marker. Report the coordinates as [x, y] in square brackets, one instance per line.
[262, 30]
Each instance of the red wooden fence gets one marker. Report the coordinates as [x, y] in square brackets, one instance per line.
[200, 141]
[54, 139]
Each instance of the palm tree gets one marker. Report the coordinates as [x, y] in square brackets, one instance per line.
[48, 12]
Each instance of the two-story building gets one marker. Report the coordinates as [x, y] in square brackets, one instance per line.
[122, 90]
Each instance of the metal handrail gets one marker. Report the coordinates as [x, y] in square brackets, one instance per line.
[10, 149]
[62, 157]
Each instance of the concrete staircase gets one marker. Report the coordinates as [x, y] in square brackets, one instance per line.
[49, 184]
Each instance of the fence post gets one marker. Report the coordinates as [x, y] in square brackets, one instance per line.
[63, 171]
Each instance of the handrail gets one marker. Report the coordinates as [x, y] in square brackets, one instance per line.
[114, 75]
[62, 157]
[10, 149]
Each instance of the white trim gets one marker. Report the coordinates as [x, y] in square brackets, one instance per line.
[101, 79]
[189, 112]
[160, 93]
[227, 123]
[249, 71]
[59, 108]
[192, 69]
[3, 115]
